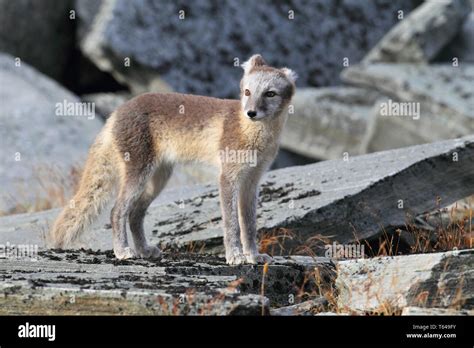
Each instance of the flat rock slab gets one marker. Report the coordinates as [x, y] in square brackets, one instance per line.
[442, 280]
[445, 94]
[327, 122]
[344, 200]
[89, 282]
[341, 200]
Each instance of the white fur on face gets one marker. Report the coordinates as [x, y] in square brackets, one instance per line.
[259, 83]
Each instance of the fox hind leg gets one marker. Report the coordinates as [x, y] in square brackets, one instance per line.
[138, 211]
[131, 188]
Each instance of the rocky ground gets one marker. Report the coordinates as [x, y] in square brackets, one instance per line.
[400, 186]
[297, 215]
[91, 282]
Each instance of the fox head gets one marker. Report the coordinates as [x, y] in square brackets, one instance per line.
[265, 91]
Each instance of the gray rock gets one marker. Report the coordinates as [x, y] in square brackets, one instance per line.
[444, 93]
[421, 35]
[87, 282]
[286, 158]
[443, 280]
[93, 282]
[310, 307]
[332, 314]
[38, 32]
[106, 103]
[462, 47]
[39, 147]
[434, 311]
[197, 54]
[189, 174]
[330, 121]
[340, 200]
[392, 132]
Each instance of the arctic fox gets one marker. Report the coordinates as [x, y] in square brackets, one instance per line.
[146, 136]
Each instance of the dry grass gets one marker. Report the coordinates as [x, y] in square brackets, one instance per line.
[452, 230]
[456, 233]
[311, 246]
[50, 188]
[274, 240]
[195, 247]
[319, 286]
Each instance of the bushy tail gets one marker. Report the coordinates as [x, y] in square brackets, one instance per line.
[95, 188]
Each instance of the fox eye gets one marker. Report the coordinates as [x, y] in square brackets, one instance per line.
[247, 92]
[270, 94]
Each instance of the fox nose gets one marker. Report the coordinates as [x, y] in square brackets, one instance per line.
[251, 114]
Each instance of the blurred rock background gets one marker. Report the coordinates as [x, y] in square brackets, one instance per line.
[351, 57]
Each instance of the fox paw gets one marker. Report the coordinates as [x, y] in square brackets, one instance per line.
[236, 259]
[125, 253]
[150, 252]
[259, 258]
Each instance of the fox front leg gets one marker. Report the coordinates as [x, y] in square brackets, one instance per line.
[248, 220]
[228, 195]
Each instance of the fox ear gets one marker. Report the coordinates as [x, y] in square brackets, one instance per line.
[290, 74]
[254, 61]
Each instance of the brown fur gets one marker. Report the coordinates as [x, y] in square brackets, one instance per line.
[146, 136]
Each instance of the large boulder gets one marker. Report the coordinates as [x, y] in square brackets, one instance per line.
[41, 144]
[440, 97]
[327, 122]
[196, 47]
[343, 200]
[462, 47]
[419, 37]
[439, 280]
[41, 33]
